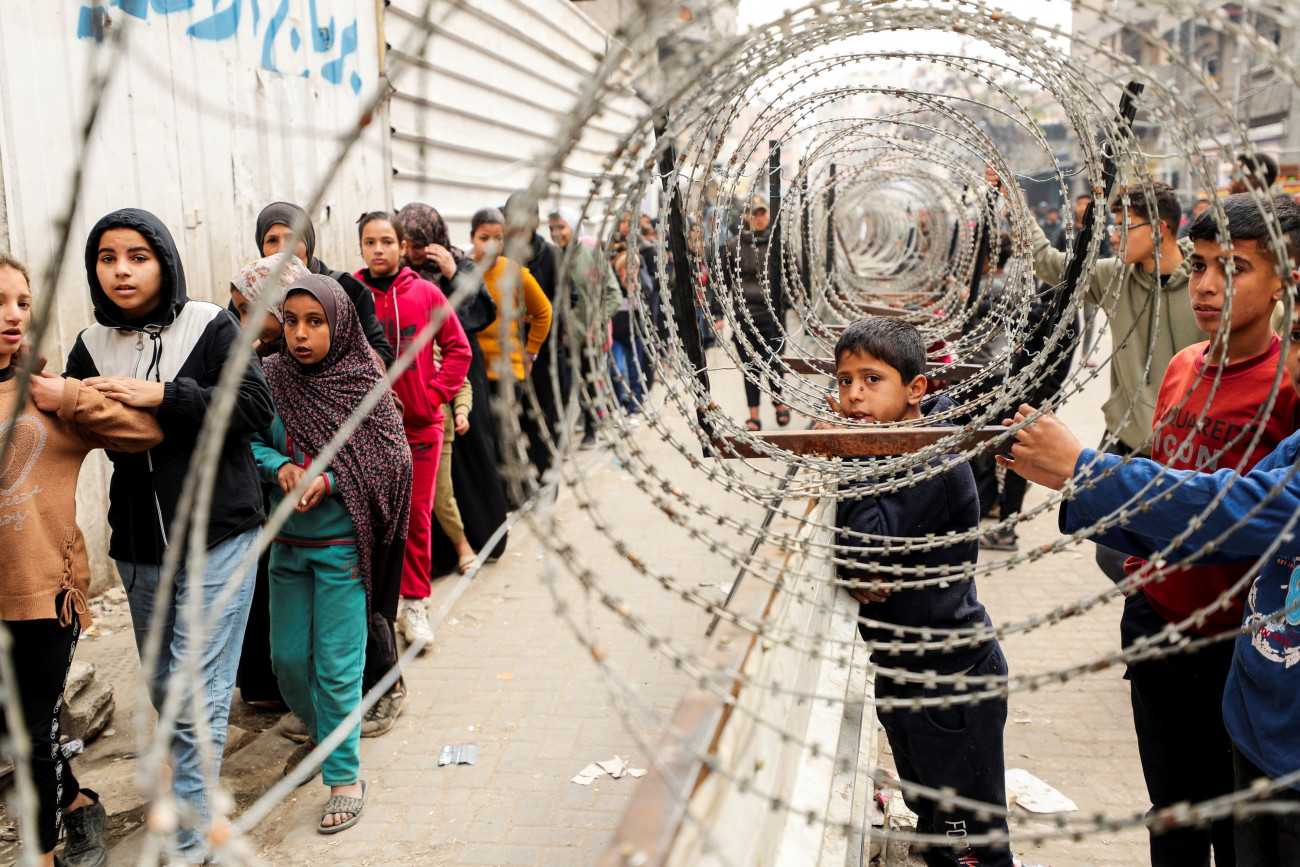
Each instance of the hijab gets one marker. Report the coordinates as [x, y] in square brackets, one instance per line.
[570, 218]
[423, 225]
[252, 280]
[284, 214]
[373, 468]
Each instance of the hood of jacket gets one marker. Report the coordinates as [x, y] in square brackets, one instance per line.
[936, 403]
[405, 279]
[172, 293]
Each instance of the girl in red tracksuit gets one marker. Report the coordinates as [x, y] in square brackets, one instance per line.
[405, 304]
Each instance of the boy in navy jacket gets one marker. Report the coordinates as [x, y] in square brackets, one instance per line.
[880, 372]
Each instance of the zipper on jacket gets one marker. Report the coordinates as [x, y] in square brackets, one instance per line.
[148, 455]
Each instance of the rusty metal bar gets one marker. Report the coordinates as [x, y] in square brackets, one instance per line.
[947, 372]
[860, 442]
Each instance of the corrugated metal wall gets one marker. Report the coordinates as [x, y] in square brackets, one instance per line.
[214, 111]
[482, 97]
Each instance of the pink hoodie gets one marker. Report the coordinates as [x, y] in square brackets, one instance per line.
[425, 386]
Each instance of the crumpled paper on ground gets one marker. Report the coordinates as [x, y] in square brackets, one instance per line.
[616, 767]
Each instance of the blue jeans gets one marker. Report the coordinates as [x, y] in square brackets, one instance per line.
[217, 665]
[627, 357]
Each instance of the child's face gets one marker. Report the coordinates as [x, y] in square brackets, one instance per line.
[561, 234]
[129, 272]
[416, 254]
[1139, 241]
[1256, 285]
[380, 248]
[871, 390]
[306, 328]
[488, 240]
[1293, 352]
[271, 328]
[277, 237]
[15, 312]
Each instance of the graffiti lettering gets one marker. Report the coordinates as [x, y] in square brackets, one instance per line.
[325, 52]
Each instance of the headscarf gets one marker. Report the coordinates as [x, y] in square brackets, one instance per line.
[571, 219]
[423, 225]
[373, 469]
[284, 214]
[252, 279]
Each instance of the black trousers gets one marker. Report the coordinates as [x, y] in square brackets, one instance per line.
[1185, 750]
[256, 680]
[1265, 839]
[381, 633]
[765, 344]
[586, 393]
[958, 747]
[42, 650]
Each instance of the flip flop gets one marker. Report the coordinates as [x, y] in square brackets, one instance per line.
[344, 804]
[753, 424]
[783, 417]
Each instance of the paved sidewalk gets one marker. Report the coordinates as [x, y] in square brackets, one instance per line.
[506, 673]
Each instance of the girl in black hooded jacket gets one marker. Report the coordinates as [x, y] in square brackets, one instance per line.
[153, 347]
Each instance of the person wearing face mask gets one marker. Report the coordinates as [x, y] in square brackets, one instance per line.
[543, 262]
[510, 356]
[594, 298]
[275, 225]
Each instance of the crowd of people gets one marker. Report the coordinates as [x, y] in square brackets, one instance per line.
[386, 482]
[1193, 479]
[390, 480]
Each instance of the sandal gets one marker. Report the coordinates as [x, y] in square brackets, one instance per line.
[296, 757]
[467, 564]
[753, 424]
[783, 416]
[344, 804]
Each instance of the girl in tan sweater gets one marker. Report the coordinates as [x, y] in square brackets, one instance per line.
[43, 590]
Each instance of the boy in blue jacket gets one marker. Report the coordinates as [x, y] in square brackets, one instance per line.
[880, 372]
[1201, 518]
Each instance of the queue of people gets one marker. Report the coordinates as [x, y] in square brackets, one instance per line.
[311, 624]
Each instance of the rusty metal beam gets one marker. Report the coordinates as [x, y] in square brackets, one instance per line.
[951, 372]
[859, 442]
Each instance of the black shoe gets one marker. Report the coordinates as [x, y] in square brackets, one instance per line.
[296, 757]
[380, 718]
[1000, 540]
[85, 845]
[588, 441]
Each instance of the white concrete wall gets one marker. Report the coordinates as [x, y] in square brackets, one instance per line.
[210, 115]
[476, 103]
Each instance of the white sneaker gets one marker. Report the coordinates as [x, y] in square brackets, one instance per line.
[413, 620]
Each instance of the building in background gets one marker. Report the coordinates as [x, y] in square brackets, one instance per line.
[1224, 77]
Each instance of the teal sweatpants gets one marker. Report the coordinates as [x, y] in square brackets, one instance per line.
[318, 644]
